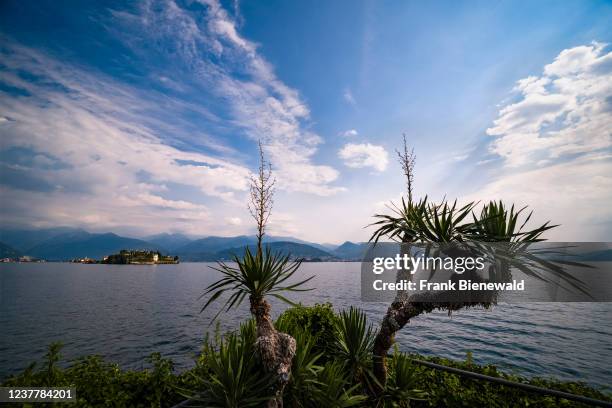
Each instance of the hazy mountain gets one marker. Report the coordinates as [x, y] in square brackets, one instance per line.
[169, 241]
[209, 246]
[296, 250]
[68, 243]
[322, 247]
[7, 251]
[24, 239]
[81, 244]
[350, 251]
[326, 246]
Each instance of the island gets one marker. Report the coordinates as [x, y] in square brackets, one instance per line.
[140, 258]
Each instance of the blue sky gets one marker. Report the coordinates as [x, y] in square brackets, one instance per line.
[143, 118]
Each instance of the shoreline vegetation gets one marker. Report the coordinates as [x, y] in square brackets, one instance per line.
[323, 373]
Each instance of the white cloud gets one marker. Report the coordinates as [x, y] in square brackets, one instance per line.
[258, 101]
[349, 133]
[555, 145]
[364, 155]
[124, 150]
[157, 201]
[348, 97]
[235, 221]
[90, 160]
[566, 111]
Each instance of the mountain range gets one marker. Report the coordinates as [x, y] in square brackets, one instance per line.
[61, 244]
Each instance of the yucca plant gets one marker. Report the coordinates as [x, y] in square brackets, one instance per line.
[424, 221]
[430, 223]
[435, 224]
[335, 388]
[497, 223]
[258, 276]
[304, 371]
[354, 344]
[254, 276]
[234, 378]
[401, 388]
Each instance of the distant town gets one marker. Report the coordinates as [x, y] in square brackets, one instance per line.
[21, 259]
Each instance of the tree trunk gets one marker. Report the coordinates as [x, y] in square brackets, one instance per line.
[275, 349]
[400, 313]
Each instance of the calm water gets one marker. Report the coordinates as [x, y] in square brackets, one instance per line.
[126, 312]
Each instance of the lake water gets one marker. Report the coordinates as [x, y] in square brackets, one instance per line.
[126, 312]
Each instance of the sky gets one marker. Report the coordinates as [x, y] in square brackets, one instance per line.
[141, 118]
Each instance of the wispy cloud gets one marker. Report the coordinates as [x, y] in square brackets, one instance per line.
[108, 154]
[259, 103]
[349, 133]
[364, 155]
[348, 97]
[104, 162]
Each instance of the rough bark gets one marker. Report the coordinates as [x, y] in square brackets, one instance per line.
[401, 311]
[275, 349]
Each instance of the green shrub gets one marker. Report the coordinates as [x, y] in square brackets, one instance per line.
[447, 389]
[99, 383]
[318, 320]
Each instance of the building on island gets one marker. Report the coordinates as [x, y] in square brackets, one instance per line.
[140, 258]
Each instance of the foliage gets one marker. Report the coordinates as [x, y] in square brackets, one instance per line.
[447, 389]
[497, 223]
[304, 371]
[99, 383]
[255, 276]
[402, 387]
[354, 344]
[234, 377]
[319, 321]
[227, 373]
[335, 388]
[425, 221]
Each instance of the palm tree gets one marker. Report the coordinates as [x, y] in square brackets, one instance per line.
[257, 276]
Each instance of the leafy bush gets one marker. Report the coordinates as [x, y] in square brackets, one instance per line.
[318, 321]
[99, 383]
[447, 389]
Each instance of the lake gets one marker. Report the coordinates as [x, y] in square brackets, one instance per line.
[126, 312]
